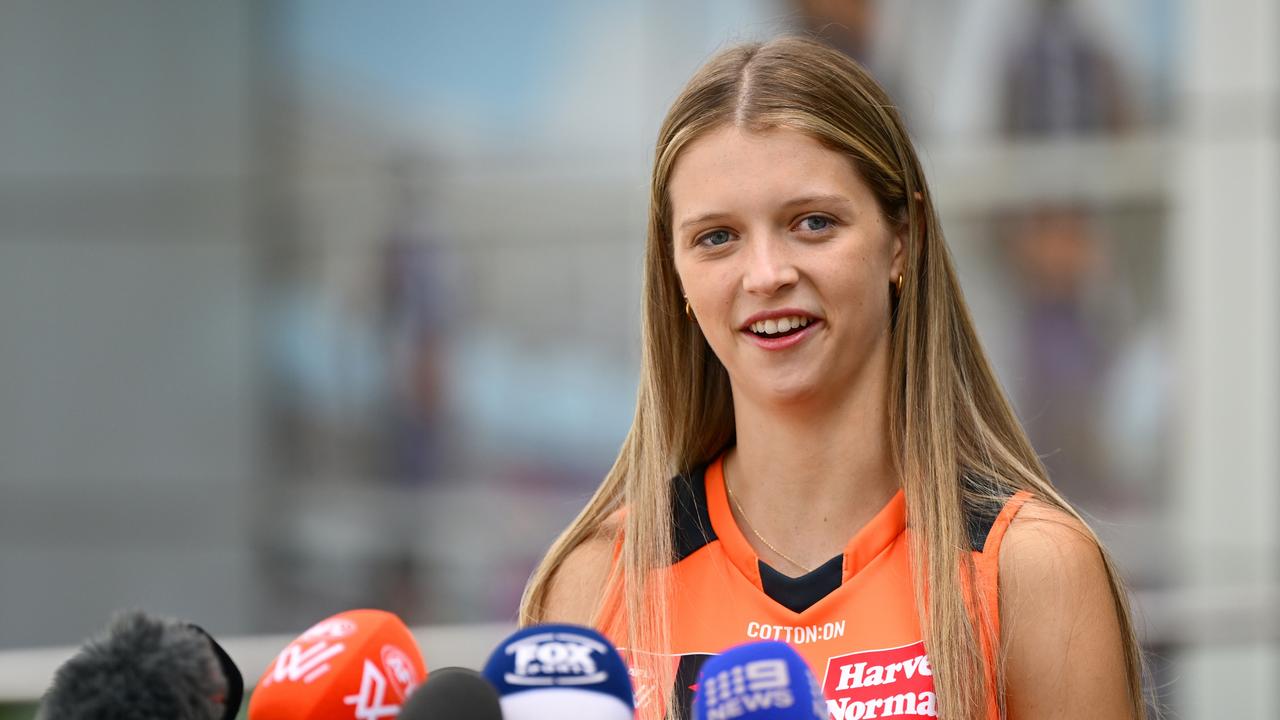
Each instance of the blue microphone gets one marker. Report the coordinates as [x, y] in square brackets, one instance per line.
[565, 672]
[758, 681]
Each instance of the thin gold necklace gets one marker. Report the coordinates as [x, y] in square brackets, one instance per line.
[747, 521]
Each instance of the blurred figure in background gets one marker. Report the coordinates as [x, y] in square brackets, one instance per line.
[1060, 81]
[846, 25]
[416, 312]
[1055, 253]
[859, 29]
[360, 332]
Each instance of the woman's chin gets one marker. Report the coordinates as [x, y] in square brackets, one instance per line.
[792, 392]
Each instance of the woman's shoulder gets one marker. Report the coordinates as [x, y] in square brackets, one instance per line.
[1042, 536]
[1048, 551]
[579, 583]
[1060, 621]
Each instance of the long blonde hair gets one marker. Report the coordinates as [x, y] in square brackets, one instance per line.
[949, 419]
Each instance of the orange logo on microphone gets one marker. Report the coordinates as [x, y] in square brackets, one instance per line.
[360, 664]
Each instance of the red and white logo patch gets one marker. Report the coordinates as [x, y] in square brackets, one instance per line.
[400, 670]
[891, 683]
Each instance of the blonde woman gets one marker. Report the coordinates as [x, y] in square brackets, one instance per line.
[821, 453]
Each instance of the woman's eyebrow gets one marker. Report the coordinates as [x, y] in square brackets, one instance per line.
[705, 217]
[812, 199]
[802, 200]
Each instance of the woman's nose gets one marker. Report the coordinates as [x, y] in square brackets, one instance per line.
[769, 267]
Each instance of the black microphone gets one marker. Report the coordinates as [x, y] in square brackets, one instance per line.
[146, 668]
[454, 693]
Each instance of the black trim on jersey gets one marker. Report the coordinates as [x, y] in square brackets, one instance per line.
[686, 679]
[979, 518]
[692, 531]
[692, 521]
[800, 593]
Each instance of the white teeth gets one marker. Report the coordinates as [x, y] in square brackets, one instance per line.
[779, 325]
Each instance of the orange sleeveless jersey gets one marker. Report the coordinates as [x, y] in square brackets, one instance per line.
[853, 619]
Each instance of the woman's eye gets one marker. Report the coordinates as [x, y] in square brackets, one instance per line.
[815, 223]
[715, 237]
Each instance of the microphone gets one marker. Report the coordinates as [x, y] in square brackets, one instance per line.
[758, 681]
[565, 672]
[146, 668]
[456, 694]
[356, 665]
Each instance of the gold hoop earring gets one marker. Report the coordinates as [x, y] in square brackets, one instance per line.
[898, 285]
[688, 311]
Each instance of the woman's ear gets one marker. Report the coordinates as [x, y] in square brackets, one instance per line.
[901, 235]
[898, 261]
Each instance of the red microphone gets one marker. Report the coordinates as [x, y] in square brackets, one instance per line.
[356, 665]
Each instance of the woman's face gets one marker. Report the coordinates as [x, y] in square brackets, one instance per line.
[786, 261]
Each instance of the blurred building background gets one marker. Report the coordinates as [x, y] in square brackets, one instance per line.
[316, 304]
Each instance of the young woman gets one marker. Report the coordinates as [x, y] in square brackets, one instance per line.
[848, 475]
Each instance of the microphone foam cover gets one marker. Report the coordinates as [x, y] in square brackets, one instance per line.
[454, 693]
[758, 681]
[144, 667]
[230, 672]
[567, 672]
[356, 665]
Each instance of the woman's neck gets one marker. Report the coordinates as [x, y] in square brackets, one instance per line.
[807, 479]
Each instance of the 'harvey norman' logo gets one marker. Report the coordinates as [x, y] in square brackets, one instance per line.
[891, 683]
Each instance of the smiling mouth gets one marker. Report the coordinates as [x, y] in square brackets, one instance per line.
[781, 327]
